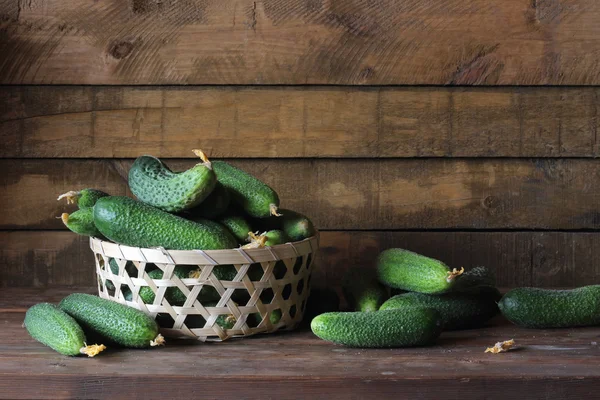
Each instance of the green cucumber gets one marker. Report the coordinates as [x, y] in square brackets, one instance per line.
[270, 238]
[296, 225]
[133, 223]
[403, 269]
[121, 324]
[362, 291]
[81, 222]
[458, 310]
[51, 326]
[213, 206]
[389, 328]
[238, 226]
[254, 196]
[550, 308]
[155, 184]
[85, 198]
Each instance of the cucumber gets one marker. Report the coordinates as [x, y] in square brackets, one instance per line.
[475, 278]
[403, 269]
[85, 198]
[321, 301]
[458, 310]
[548, 308]
[133, 223]
[121, 324]
[296, 225]
[254, 196]
[238, 226]
[154, 183]
[213, 206]
[363, 293]
[389, 328]
[81, 222]
[47, 324]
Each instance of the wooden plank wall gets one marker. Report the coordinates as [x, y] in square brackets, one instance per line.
[493, 162]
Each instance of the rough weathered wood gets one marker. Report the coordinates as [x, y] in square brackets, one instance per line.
[64, 121]
[352, 194]
[551, 259]
[296, 42]
[557, 364]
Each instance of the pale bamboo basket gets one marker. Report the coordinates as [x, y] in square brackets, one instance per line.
[289, 284]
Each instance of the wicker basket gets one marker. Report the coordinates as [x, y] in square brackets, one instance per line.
[284, 286]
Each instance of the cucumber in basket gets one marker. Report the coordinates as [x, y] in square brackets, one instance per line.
[121, 324]
[81, 222]
[133, 223]
[154, 183]
[255, 197]
[85, 198]
[56, 329]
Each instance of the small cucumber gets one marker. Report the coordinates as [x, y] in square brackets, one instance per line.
[403, 269]
[296, 225]
[133, 223]
[363, 293]
[56, 329]
[121, 324]
[81, 222]
[389, 328]
[548, 308]
[254, 196]
[154, 183]
[458, 310]
[238, 226]
[85, 198]
[213, 206]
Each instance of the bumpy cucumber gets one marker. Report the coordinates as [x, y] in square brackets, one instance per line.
[81, 222]
[238, 226]
[296, 225]
[85, 198]
[154, 183]
[121, 324]
[458, 310]
[403, 269]
[213, 206]
[547, 308]
[254, 196]
[475, 278]
[321, 301]
[390, 328]
[56, 329]
[362, 291]
[133, 223]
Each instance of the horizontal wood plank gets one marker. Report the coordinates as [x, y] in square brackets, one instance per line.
[105, 122]
[476, 42]
[549, 259]
[561, 364]
[352, 194]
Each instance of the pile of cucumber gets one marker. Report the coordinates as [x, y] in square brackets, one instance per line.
[210, 206]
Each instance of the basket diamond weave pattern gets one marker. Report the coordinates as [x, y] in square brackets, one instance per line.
[267, 291]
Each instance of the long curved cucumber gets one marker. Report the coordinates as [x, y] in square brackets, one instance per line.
[551, 308]
[389, 328]
[81, 222]
[84, 198]
[51, 326]
[133, 223]
[154, 183]
[254, 196]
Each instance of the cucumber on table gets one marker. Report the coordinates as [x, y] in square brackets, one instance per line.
[121, 324]
[154, 183]
[133, 223]
[551, 308]
[362, 291]
[85, 198]
[51, 326]
[458, 310]
[389, 328]
[403, 269]
[255, 197]
[81, 222]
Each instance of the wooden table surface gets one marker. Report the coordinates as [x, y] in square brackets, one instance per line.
[558, 364]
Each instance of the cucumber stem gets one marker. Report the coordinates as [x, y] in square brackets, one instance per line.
[501, 347]
[255, 241]
[454, 274]
[158, 341]
[71, 196]
[273, 209]
[92, 350]
[205, 161]
[65, 218]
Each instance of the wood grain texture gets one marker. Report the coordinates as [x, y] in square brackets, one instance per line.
[557, 364]
[105, 122]
[548, 259]
[352, 194]
[456, 42]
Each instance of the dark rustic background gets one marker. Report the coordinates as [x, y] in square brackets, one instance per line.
[462, 129]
